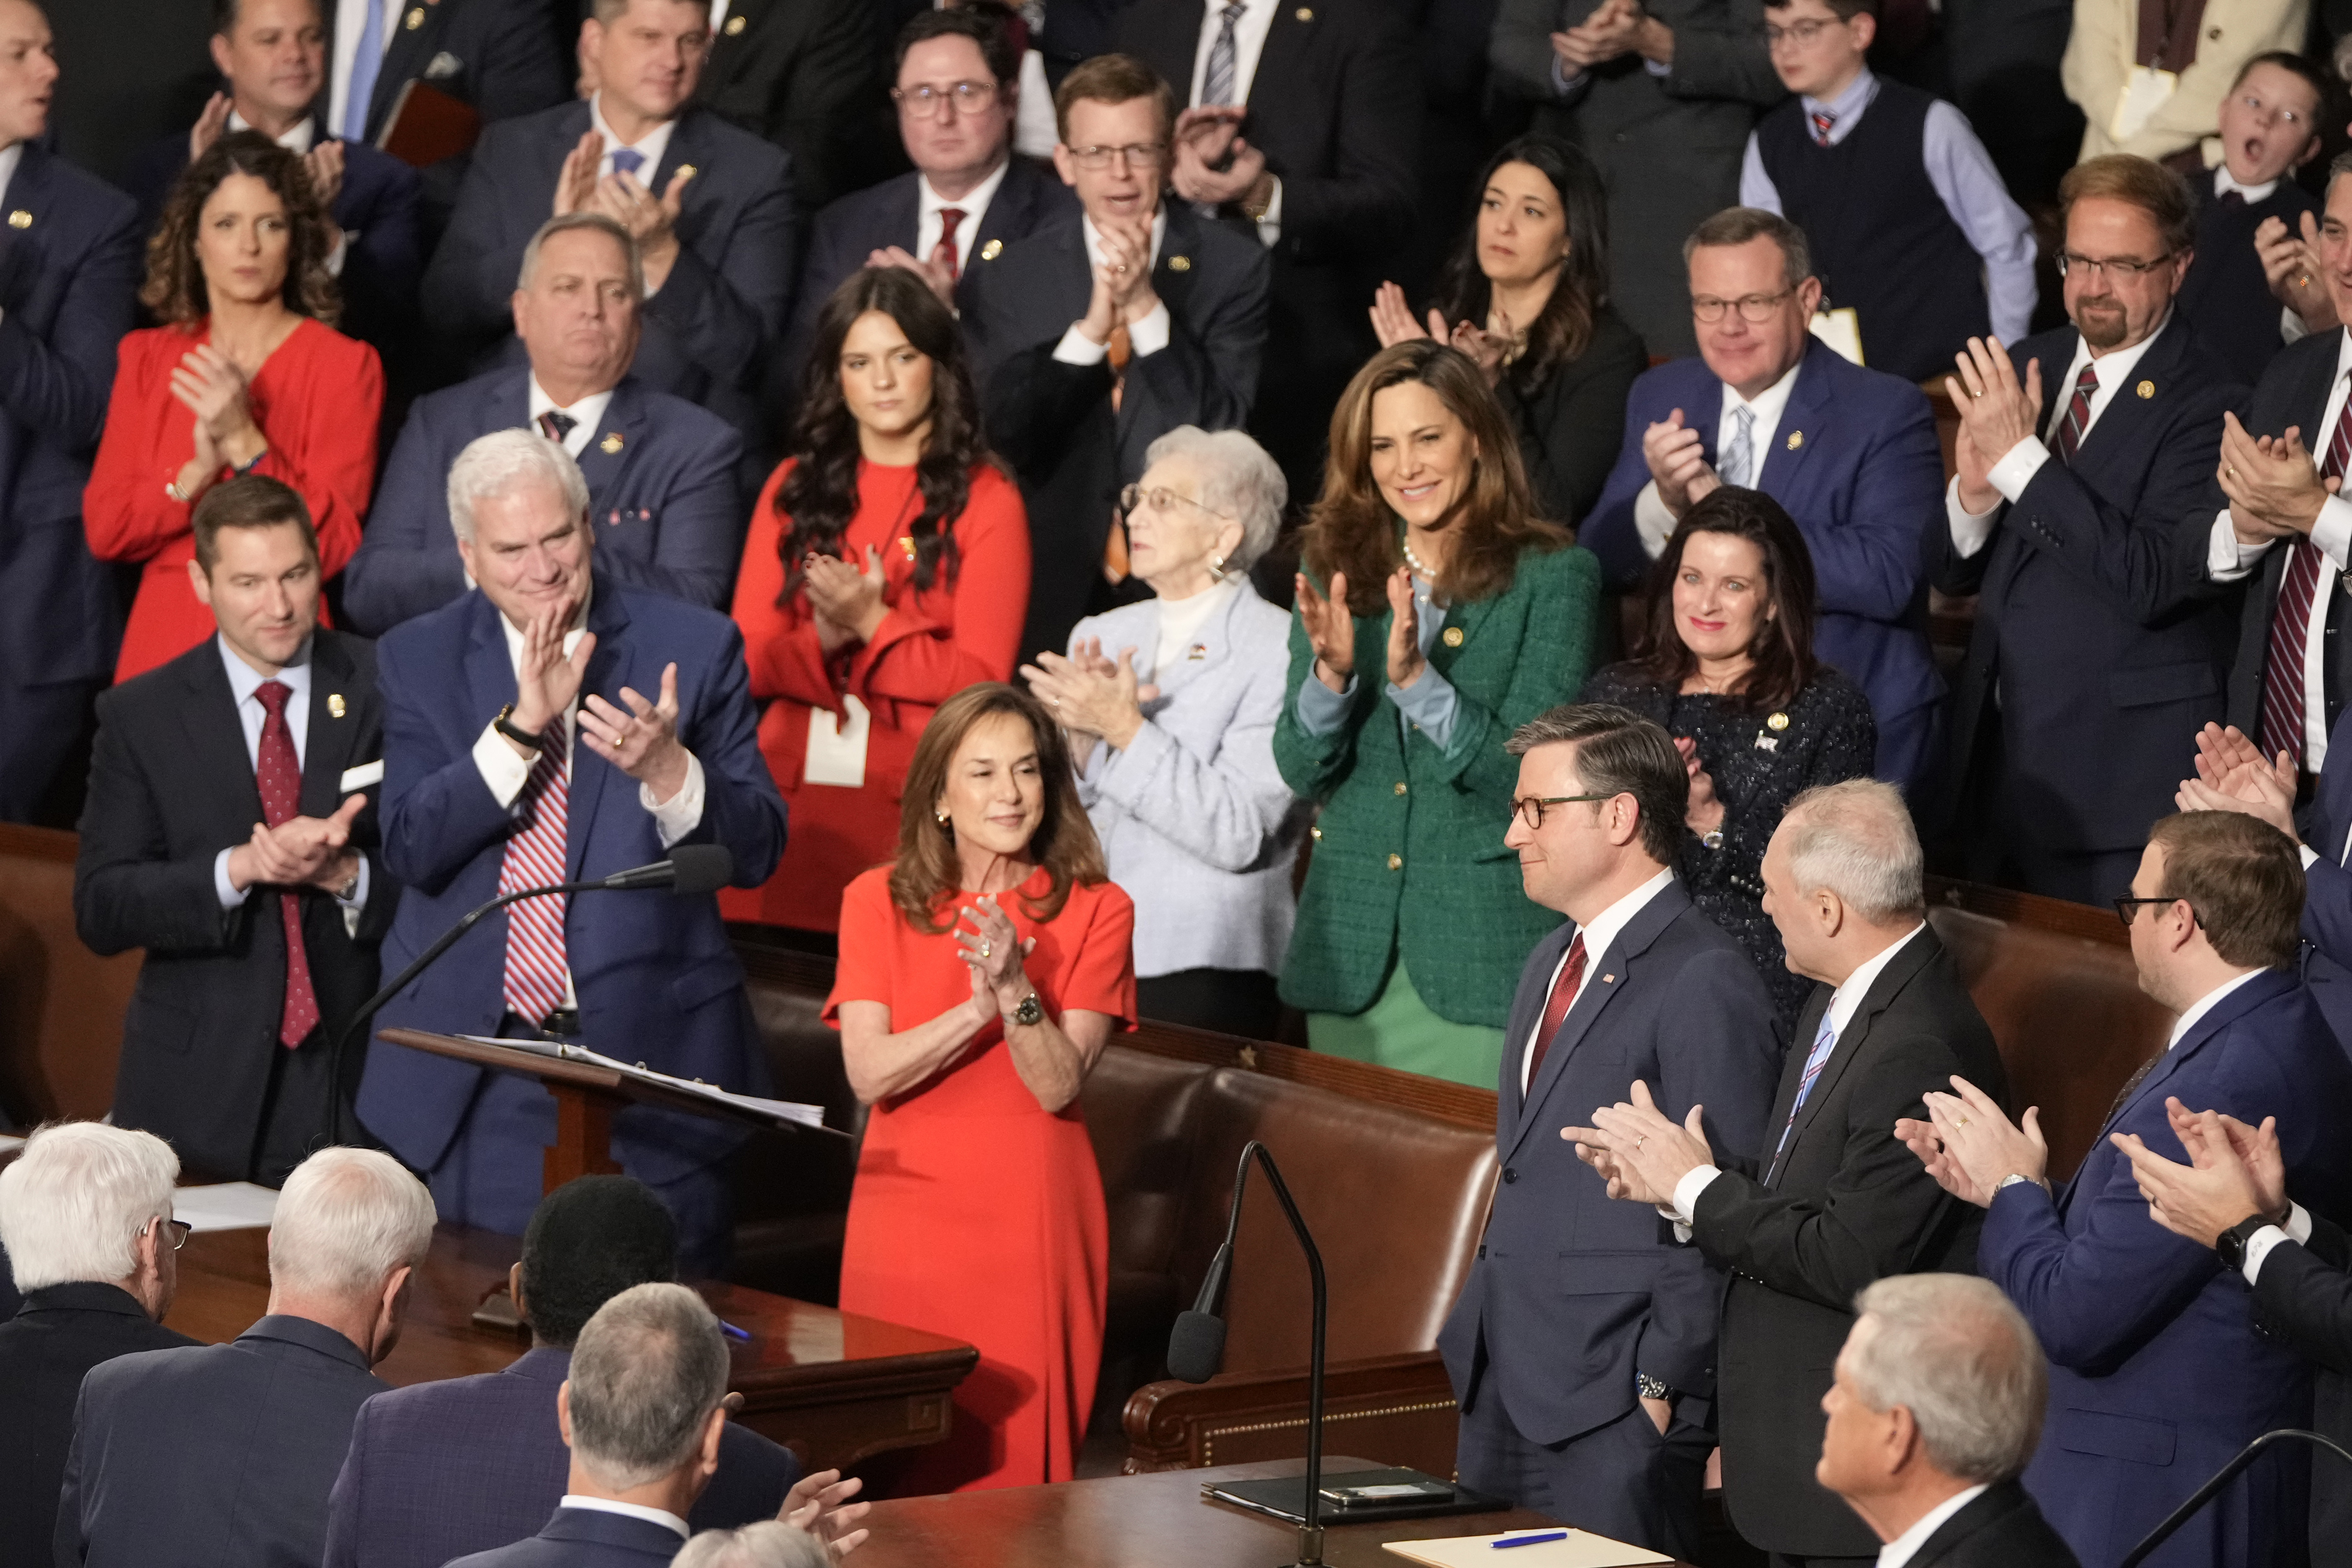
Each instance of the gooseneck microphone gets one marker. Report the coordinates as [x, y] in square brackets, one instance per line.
[1196, 1346]
[691, 868]
[2222, 1478]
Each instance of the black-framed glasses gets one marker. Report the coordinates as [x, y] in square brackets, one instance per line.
[2127, 908]
[1137, 155]
[2070, 262]
[969, 96]
[1754, 308]
[180, 1231]
[1530, 809]
[1160, 498]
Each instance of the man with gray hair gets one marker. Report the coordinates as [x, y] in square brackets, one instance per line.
[1935, 1406]
[225, 1453]
[1837, 1201]
[661, 472]
[554, 728]
[770, 1544]
[86, 1224]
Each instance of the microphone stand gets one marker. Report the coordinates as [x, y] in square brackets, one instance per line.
[2206, 1493]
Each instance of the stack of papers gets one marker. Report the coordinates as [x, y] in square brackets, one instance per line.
[1576, 1548]
[779, 1110]
[232, 1206]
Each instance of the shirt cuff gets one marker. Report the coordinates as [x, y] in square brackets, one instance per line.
[1971, 531]
[1269, 222]
[681, 814]
[1076, 348]
[2291, 328]
[1150, 335]
[1652, 521]
[1661, 69]
[2260, 1244]
[1428, 704]
[2018, 465]
[1321, 710]
[1563, 83]
[2227, 559]
[2331, 532]
[501, 769]
[231, 898]
[1687, 1191]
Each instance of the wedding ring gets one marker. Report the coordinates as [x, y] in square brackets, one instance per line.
[983, 949]
[2231, 472]
[1645, 1138]
[1964, 1120]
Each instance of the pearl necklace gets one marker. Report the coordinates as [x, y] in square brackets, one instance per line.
[1420, 568]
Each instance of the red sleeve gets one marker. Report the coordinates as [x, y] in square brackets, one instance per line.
[329, 452]
[124, 510]
[931, 645]
[1100, 977]
[871, 930]
[781, 643]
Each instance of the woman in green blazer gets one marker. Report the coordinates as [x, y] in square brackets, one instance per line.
[1453, 614]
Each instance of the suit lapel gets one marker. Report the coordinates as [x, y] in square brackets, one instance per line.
[608, 671]
[489, 668]
[415, 34]
[1900, 969]
[338, 714]
[1526, 1010]
[2134, 404]
[1803, 422]
[1446, 651]
[1272, 85]
[614, 445]
[215, 732]
[686, 145]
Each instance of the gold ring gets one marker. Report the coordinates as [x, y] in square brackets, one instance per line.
[2302, 280]
[1964, 1120]
[983, 949]
[2231, 472]
[1645, 1138]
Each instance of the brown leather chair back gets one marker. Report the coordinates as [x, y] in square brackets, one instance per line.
[61, 1005]
[1141, 1109]
[792, 1185]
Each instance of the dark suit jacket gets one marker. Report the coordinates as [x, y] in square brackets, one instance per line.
[171, 787]
[2305, 1293]
[804, 75]
[2000, 1528]
[440, 1469]
[59, 1333]
[67, 280]
[1847, 1205]
[1571, 1293]
[722, 307]
[2095, 620]
[2225, 295]
[1054, 422]
[2159, 1373]
[1864, 484]
[656, 973]
[661, 491]
[495, 55]
[1571, 427]
[585, 1537]
[211, 1454]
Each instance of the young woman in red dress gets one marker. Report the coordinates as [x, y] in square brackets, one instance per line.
[888, 568]
[246, 376]
[981, 974]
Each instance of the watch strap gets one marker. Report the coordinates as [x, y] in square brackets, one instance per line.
[2230, 1245]
[519, 736]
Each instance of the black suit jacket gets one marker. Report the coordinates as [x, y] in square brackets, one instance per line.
[171, 787]
[1847, 1205]
[1572, 426]
[497, 55]
[804, 75]
[2000, 1528]
[2306, 1292]
[2096, 620]
[59, 1333]
[213, 1454]
[1054, 422]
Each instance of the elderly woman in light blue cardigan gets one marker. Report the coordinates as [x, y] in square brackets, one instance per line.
[1169, 704]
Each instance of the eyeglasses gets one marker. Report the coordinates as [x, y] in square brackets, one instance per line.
[2127, 909]
[180, 1230]
[1755, 308]
[1801, 34]
[1160, 499]
[1530, 807]
[969, 96]
[2070, 262]
[1137, 155]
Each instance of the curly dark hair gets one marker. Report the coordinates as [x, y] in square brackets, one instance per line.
[1783, 648]
[175, 289]
[817, 500]
[1564, 328]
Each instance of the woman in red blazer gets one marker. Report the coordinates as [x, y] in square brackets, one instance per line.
[245, 376]
[888, 568]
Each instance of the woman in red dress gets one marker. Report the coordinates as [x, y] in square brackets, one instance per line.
[888, 568]
[245, 377]
[981, 974]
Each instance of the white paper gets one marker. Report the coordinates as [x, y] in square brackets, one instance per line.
[1841, 330]
[2144, 93]
[836, 753]
[360, 777]
[232, 1206]
[1581, 1549]
[781, 1110]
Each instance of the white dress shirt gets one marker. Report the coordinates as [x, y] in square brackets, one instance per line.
[2205, 1004]
[1650, 518]
[1249, 42]
[350, 20]
[1899, 1551]
[650, 146]
[1147, 336]
[974, 203]
[628, 1510]
[1597, 938]
[244, 682]
[587, 415]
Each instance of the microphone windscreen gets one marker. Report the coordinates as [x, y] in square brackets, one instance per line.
[701, 868]
[1196, 1347]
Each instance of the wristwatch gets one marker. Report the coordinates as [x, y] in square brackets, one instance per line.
[1030, 1012]
[520, 737]
[2016, 1176]
[2230, 1246]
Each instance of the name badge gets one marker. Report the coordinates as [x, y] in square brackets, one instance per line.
[837, 752]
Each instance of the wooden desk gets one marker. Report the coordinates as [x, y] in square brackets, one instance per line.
[1155, 1521]
[834, 1386]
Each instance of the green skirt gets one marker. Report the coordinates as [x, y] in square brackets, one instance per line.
[1397, 1030]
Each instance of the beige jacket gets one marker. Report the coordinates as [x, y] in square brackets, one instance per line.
[2098, 62]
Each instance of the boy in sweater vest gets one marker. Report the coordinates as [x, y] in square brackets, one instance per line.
[1925, 263]
[2270, 128]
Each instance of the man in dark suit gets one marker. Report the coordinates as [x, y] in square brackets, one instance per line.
[660, 472]
[521, 748]
[964, 161]
[802, 74]
[86, 1218]
[1837, 1201]
[1101, 333]
[1936, 1405]
[228, 833]
[2159, 1373]
[1583, 1346]
[1299, 132]
[2078, 516]
[496, 56]
[224, 1453]
[709, 206]
[440, 1469]
[1851, 453]
[68, 273]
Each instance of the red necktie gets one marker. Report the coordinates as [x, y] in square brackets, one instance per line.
[944, 252]
[1556, 1005]
[535, 958]
[1822, 121]
[2078, 414]
[2283, 683]
[279, 776]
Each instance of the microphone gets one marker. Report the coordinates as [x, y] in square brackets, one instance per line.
[2205, 1494]
[1197, 1344]
[691, 868]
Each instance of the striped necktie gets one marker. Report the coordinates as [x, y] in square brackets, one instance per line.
[1739, 452]
[2078, 414]
[1217, 85]
[536, 971]
[1823, 119]
[2283, 693]
[1818, 1058]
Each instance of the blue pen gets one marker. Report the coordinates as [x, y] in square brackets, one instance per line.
[730, 1329]
[1528, 1540]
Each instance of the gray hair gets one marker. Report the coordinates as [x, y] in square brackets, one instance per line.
[494, 464]
[648, 1369]
[346, 1218]
[80, 1196]
[769, 1543]
[1950, 1349]
[608, 12]
[564, 223]
[1238, 480]
[1856, 839]
[1738, 225]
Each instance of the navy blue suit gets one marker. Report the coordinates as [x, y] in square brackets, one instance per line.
[211, 1454]
[2327, 888]
[440, 1469]
[661, 493]
[585, 1537]
[1573, 1293]
[657, 979]
[2158, 1372]
[68, 277]
[1855, 462]
[717, 316]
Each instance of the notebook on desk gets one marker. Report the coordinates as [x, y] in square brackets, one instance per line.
[1577, 1549]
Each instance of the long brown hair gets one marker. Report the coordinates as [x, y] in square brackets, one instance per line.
[927, 869]
[1563, 329]
[1351, 528]
[175, 289]
[1782, 648]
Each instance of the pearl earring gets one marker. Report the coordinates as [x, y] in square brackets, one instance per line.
[1217, 567]
[940, 817]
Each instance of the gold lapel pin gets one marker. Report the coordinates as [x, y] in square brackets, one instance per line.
[610, 443]
[1180, 264]
[992, 251]
[1608, 980]
[414, 19]
[906, 546]
[1452, 636]
[335, 703]
[686, 171]
[20, 218]
[2146, 389]
[734, 25]
[1778, 722]
[1305, 12]
[1796, 439]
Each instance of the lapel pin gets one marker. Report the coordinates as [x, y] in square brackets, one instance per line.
[335, 704]
[686, 171]
[1608, 980]
[906, 546]
[1199, 651]
[414, 19]
[734, 25]
[1796, 439]
[1305, 12]
[1778, 722]
[20, 218]
[1180, 264]
[1453, 638]
[2146, 389]
[1765, 742]
[992, 251]
[610, 444]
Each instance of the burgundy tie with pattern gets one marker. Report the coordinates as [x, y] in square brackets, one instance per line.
[2078, 414]
[278, 774]
[2283, 683]
[1556, 1005]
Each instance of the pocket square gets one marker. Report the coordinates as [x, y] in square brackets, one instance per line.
[360, 777]
[444, 65]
